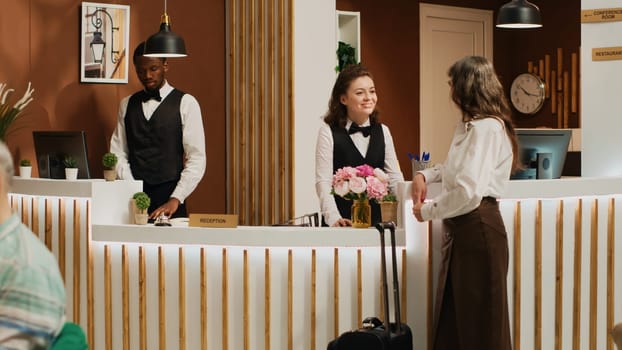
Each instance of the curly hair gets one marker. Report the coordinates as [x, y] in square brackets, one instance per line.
[477, 91]
[337, 114]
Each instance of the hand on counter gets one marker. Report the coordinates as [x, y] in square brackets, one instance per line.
[342, 223]
[417, 211]
[169, 208]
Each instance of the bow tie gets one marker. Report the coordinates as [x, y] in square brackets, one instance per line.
[148, 95]
[354, 128]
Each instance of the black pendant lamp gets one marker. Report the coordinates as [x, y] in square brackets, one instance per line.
[519, 14]
[165, 43]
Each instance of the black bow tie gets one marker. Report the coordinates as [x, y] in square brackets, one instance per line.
[366, 130]
[148, 95]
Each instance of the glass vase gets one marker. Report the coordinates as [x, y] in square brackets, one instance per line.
[361, 213]
[388, 211]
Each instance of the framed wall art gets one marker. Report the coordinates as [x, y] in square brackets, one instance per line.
[105, 38]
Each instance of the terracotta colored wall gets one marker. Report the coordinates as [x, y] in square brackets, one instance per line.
[40, 42]
[390, 48]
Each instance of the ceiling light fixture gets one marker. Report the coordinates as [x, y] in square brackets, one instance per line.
[519, 14]
[165, 43]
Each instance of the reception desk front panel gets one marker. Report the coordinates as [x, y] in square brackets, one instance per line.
[145, 287]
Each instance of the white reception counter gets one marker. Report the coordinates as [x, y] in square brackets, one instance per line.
[297, 287]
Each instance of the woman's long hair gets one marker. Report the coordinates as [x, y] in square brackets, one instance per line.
[337, 114]
[477, 91]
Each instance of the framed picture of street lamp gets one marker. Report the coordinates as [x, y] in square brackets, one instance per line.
[105, 38]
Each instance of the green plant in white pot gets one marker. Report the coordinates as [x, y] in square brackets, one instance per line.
[109, 161]
[25, 168]
[71, 168]
[141, 204]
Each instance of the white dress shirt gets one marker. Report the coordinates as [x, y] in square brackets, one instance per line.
[193, 141]
[478, 165]
[324, 166]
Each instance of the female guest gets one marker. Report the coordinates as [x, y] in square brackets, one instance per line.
[471, 308]
[352, 135]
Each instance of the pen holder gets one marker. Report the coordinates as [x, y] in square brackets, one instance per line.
[418, 165]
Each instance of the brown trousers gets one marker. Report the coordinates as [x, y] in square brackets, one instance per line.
[471, 300]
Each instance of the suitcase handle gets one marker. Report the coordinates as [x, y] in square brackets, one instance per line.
[381, 227]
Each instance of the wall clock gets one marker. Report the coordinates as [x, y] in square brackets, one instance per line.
[527, 93]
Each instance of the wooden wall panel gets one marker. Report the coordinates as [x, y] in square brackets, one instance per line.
[260, 111]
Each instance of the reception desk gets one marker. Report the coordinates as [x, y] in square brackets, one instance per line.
[146, 287]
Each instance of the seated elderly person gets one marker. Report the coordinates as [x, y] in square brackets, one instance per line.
[32, 292]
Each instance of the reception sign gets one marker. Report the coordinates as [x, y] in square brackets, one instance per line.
[213, 220]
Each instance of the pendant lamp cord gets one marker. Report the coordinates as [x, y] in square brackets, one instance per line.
[165, 6]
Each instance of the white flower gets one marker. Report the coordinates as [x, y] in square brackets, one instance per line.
[358, 185]
[342, 188]
[381, 175]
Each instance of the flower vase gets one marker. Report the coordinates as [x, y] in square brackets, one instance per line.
[388, 211]
[361, 213]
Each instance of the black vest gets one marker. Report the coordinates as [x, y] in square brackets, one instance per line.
[155, 147]
[345, 153]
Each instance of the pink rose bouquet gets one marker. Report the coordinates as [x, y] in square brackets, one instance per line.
[361, 182]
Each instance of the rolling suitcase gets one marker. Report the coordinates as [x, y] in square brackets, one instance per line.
[375, 335]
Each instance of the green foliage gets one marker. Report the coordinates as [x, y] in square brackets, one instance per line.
[109, 160]
[24, 162]
[70, 162]
[345, 56]
[142, 200]
[389, 197]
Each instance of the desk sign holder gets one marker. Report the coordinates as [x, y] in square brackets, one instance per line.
[213, 220]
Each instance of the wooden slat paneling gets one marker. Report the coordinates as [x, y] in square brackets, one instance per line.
[593, 274]
[125, 296]
[261, 111]
[610, 267]
[77, 233]
[108, 298]
[161, 298]
[538, 278]
[182, 299]
[576, 297]
[559, 274]
[203, 293]
[142, 298]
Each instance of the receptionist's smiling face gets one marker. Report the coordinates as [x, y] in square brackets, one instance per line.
[151, 71]
[360, 99]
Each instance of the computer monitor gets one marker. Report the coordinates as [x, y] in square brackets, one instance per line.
[532, 142]
[51, 148]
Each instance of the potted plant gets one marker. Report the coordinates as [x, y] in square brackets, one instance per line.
[388, 208]
[141, 204]
[109, 160]
[71, 168]
[25, 168]
[345, 56]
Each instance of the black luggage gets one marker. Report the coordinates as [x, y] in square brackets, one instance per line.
[374, 335]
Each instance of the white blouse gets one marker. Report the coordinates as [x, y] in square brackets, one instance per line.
[324, 166]
[478, 165]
